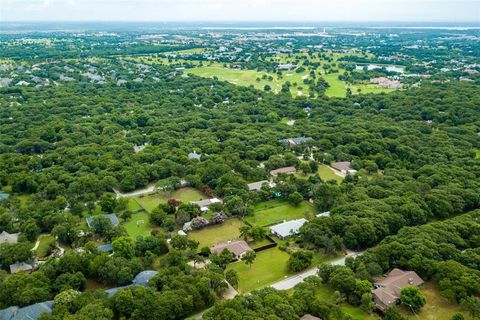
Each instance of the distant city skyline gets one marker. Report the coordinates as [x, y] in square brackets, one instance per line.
[241, 10]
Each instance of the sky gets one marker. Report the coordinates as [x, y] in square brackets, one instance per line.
[241, 10]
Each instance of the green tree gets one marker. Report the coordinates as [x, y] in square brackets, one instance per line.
[249, 258]
[232, 277]
[123, 247]
[295, 198]
[412, 298]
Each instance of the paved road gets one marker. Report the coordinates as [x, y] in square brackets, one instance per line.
[291, 282]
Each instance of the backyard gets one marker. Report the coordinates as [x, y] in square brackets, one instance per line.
[271, 212]
[437, 307]
[207, 237]
[138, 225]
[45, 242]
[269, 266]
[151, 201]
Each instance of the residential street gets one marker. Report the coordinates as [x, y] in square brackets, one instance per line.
[291, 282]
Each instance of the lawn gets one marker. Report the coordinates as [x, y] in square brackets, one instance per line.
[477, 152]
[133, 205]
[369, 88]
[327, 173]
[437, 307]
[249, 77]
[229, 230]
[325, 293]
[268, 267]
[151, 201]
[136, 228]
[45, 242]
[270, 212]
[238, 77]
[337, 87]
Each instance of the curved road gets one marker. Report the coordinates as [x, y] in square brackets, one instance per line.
[291, 282]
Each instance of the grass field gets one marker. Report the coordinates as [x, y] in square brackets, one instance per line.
[325, 293]
[238, 77]
[45, 242]
[268, 267]
[274, 211]
[229, 230]
[150, 202]
[133, 205]
[369, 88]
[337, 87]
[327, 173]
[477, 152]
[437, 307]
[135, 228]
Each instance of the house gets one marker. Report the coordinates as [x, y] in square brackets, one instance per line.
[143, 277]
[105, 247]
[20, 266]
[4, 196]
[287, 228]
[310, 317]
[112, 217]
[31, 312]
[6, 237]
[387, 290]
[344, 167]
[325, 214]
[238, 248]
[140, 279]
[256, 186]
[182, 233]
[286, 67]
[112, 291]
[384, 82]
[194, 156]
[296, 141]
[286, 170]
[204, 204]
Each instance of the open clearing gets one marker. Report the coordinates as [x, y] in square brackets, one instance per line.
[437, 307]
[328, 173]
[269, 266]
[151, 201]
[326, 293]
[477, 152]
[207, 237]
[270, 212]
[138, 225]
[45, 242]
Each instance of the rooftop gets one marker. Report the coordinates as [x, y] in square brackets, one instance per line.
[288, 228]
[6, 237]
[388, 289]
[342, 165]
[21, 266]
[143, 277]
[236, 247]
[112, 216]
[283, 170]
[31, 312]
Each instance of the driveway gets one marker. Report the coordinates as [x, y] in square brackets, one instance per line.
[291, 282]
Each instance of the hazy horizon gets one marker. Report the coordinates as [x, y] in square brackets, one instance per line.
[224, 11]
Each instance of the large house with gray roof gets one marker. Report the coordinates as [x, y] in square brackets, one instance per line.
[387, 290]
[31, 312]
[287, 228]
[112, 217]
[6, 237]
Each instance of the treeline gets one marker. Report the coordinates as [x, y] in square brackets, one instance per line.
[446, 251]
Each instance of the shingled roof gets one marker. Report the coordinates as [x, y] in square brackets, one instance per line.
[388, 289]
